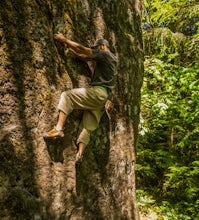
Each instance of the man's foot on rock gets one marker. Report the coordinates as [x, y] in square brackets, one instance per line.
[78, 159]
[54, 133]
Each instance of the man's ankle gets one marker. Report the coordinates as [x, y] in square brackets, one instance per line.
[58, 128]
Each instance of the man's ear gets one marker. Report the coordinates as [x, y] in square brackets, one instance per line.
[103, 46]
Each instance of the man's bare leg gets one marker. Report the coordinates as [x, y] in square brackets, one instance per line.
[61, 121]
[57, 131]
[80, 152]
[82, 147]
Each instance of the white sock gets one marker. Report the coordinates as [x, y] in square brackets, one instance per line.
[58, 128]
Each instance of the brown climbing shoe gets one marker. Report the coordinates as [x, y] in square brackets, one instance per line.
[54, 133]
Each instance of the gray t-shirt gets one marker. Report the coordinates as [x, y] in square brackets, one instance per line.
[105, 69]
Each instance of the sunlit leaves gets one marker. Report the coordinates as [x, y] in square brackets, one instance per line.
[178, 15]
[168, 147]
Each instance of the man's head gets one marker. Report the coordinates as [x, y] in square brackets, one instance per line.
[100, 42]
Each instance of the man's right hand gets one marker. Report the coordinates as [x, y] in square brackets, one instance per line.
[59, 36]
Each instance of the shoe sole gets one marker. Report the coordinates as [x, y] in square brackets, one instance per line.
[52, 137]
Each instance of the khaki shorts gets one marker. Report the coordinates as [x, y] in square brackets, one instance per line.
[92, 100]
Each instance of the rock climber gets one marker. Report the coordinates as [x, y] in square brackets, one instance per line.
[91, 99]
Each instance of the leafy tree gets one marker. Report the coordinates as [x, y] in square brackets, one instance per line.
[168, 152]
[178, 15]
[168, 144]
[171, 30]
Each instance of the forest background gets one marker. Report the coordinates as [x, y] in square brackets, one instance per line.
[167, 154]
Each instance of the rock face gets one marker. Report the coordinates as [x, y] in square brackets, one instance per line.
[38, 179]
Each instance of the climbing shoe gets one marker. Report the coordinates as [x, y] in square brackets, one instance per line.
[78, 159]
[54, 133]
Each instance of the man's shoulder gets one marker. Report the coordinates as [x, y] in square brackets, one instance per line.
[101, 55]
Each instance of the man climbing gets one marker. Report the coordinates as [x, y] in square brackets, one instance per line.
[92, 99]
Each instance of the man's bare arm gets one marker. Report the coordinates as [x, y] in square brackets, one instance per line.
[79, 56]
[80, 50]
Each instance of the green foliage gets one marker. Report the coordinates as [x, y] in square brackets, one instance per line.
[168, 146]
[182, 181]
[144, 200]
[171, 30]
[174, 48]
[168, 143]
[177, 15]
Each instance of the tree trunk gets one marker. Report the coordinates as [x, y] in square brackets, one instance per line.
[39, 180]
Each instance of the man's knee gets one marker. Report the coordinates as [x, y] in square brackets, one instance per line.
[65, 104]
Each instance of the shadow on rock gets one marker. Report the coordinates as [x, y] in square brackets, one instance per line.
[56, 147]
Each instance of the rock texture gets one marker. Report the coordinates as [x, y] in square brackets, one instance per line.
[38, 179]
